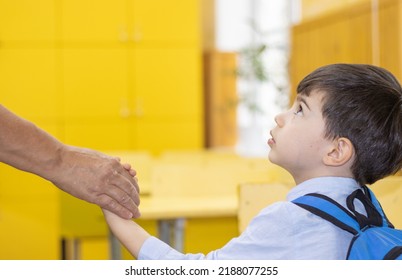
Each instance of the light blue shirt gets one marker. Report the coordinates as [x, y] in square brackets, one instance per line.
[282, 230]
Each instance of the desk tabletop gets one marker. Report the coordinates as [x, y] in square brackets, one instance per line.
[152, 207]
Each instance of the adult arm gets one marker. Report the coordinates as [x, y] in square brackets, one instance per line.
[83, 173]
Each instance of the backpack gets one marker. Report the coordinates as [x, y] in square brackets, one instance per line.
[374, 237]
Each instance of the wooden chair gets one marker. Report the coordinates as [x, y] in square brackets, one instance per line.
[254, 197]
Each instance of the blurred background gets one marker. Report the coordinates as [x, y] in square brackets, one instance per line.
[165, 82]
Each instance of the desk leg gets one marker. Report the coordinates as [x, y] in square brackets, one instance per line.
[179, 234]
[70, 249]
[164, 231]
[115, 249]
[172, 233]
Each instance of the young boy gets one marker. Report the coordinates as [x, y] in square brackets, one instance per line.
[343, 131]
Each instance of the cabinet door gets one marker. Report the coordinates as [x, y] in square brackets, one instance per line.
[99, 134]
[29, 228]
[27, 20]
[95, 82]
[157, 135]
[158, 21]
[28, 83]
[95, 89]
[94, 21]
[167, 82]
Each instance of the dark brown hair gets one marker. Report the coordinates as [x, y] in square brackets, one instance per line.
[364, 104]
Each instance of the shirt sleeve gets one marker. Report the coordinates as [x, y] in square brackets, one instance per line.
[155, 249]
[266, 237]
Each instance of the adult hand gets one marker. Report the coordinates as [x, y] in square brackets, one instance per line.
[99, 179]
[84, 173]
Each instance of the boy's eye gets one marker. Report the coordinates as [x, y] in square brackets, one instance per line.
[299, 110]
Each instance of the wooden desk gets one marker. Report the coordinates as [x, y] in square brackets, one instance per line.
[152, 207]
[171, 213]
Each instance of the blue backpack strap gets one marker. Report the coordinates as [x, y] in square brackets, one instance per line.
[377, 205]
[329, 210]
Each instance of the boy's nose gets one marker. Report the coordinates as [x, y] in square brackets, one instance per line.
[279, 119]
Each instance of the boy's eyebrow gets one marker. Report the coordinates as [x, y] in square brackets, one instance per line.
[301, 99]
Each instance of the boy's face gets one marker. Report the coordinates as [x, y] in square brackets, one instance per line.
[298, 142]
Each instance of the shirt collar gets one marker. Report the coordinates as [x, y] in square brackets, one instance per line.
[331, 186]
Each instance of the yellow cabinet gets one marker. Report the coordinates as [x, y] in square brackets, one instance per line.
[130, 71]
[107, 75]
[27, 20]
[160, 21]
[95, 82]
[123, 21]
[28, 83]
[354, 34]
[99, 133]
[93, 21]
[172, 134]
[29, 227]
[167, 82]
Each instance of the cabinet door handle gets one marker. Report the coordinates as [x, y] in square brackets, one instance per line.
[137, 34]
[139, 109]
[123, 34]
[124, 108]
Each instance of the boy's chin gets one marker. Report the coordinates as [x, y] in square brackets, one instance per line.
[271, 157]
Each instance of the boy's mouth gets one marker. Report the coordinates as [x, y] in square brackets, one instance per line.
[271, 141]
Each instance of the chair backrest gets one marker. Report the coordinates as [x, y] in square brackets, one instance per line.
[389, 193]
[216, 176]
[254, 197]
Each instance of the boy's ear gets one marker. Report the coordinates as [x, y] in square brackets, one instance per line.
[341, 152]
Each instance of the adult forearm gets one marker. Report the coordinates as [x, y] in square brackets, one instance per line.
[27, 147]
[83, 173]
